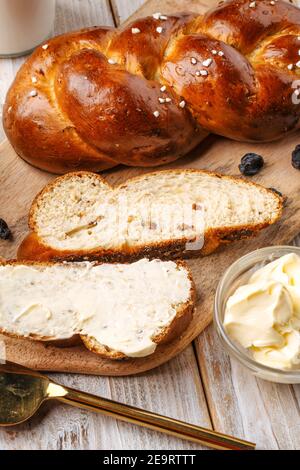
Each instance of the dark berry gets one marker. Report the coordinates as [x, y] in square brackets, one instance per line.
[296, 157]
[5, 232]
[251, 164]
[276, 191]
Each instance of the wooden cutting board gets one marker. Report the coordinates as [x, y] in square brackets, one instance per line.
[20, 182]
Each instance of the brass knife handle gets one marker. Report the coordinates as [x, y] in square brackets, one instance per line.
[154, 421]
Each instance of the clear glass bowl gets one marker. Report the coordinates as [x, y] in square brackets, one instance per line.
[236, 275]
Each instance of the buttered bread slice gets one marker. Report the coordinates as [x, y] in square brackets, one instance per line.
[119, 310]
[167, 214]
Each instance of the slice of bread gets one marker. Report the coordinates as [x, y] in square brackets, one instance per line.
[166, 214]
[119, 310]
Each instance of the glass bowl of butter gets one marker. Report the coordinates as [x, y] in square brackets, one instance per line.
[257, 312]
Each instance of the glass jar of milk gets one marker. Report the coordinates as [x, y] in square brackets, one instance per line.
[24, 24]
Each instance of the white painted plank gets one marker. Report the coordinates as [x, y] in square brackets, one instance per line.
[75, 14]
[124, 8]
[243, 405]
[174, 389]
[225, 396]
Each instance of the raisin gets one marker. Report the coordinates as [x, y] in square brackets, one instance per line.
[296, 157]
[5, 233]
[251, 164]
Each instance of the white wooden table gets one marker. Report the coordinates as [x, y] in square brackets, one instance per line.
[202, 385]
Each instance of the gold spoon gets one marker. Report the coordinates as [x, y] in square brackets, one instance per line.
[22, 392]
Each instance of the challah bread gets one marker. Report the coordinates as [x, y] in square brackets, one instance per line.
[147, 93]
[166, 214]
[119, 310]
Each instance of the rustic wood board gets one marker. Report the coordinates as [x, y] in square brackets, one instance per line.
[20, 183]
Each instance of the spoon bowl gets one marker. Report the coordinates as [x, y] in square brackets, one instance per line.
[22, 393]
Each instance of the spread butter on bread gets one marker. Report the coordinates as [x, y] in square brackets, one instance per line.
[118, 310]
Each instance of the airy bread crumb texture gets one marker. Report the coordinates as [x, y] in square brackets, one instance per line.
[81, 211]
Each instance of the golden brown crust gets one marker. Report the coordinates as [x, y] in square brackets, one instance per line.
[65, 127]
[248, 92]
[33, 248]
[92, 114]
[173, 330]
[59, 343]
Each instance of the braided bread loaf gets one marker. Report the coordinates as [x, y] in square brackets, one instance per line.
[147, 93]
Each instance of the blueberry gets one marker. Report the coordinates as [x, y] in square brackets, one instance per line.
[5, 232]
[251, 164]
[296, 157]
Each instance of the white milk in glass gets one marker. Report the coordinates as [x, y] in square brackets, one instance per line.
[24, 24]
